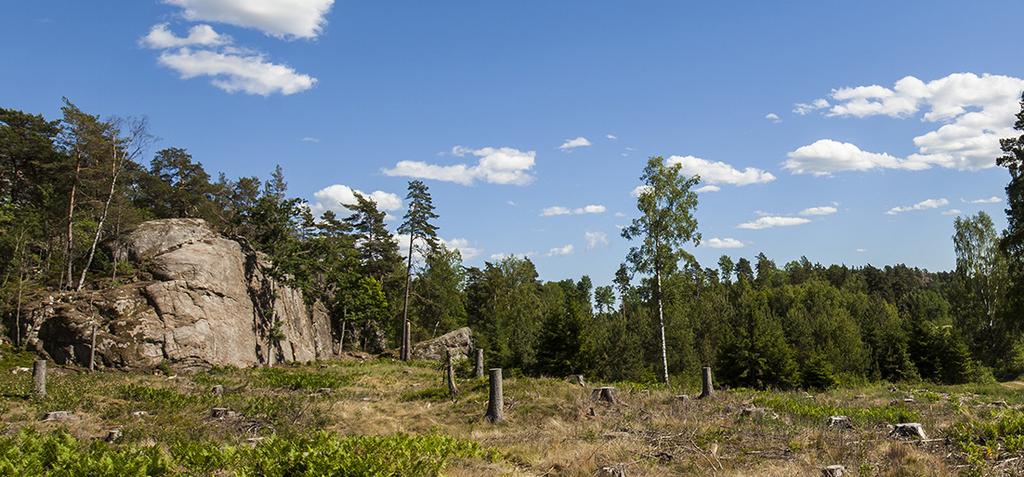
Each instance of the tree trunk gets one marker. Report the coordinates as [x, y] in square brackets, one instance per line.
[39, 378]
[404, 355]
[661, 323]
[341, 347]
[707, 388]
[478, 369]
[605, 394]
[453, 390]
[115, 170]
[496, 401]
[92, 350]
[70, 237]
[17, 310]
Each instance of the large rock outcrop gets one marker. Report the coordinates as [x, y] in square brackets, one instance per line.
[201, 300]
[458, 342]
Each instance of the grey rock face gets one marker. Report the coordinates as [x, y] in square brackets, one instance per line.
[459, 343]
[206, 300]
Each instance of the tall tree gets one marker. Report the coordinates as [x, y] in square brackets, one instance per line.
[377, 248]
[1013, 240]
[979, 287]
[418, 226]
[665, 225]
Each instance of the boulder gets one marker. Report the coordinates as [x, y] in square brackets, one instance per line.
[200, 299]
[909, 430]
[459, 343]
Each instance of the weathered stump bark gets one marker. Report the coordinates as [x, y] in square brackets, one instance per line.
[909, 430]
[453, 390]
[840, 422]
[39, 377]
[478, 369]
[496, 401]
[707, 388]
[576, 379]
[833, 471]
[605, 394]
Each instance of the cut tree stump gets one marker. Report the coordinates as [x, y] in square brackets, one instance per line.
[840, 422]
[496, 401]
[57, 416]
[605, 394]
[453, 390]
[39, 378]
[909, 430]
[221, 413]
[833, 471]
[478, 368]
[113, 435]
[92, 350]
[217, 390]
[707, 388]
[611, 471]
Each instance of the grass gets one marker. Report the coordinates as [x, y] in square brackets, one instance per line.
[383, 417]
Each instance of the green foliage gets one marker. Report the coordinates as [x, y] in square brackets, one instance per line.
[813, 411]
[58, 453]
[299, 379]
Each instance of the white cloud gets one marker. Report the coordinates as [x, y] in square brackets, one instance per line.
[720, 172]
[278, 18]
[862, 250]
[640, 190]
[571, 144]
[823, 210]
[502, 256]
[826, 156]
[611, 137]
[772, 221]
[561, 251]
[952, 212]
[773, 117]
[233, 72]
[467, 251]
[722, 243]
[972, 113]
[595, 239]
[991, 200]
[335, 197]
[503, 165]
[923, 205]
[805, 108]
[707, 188]
[310, 139]
[200, 35]
[559, 210]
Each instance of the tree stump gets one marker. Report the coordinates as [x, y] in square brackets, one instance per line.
[577, 379]
[909, 430]
[478, 369]
[833, 471]
[612, 471]
[113, 435]
[496, 401]
[217, 389]
[453, 390]
[707, 388]
[57, 416]
[605, 394]
[840, 422]
[92, 350]
[39, 378]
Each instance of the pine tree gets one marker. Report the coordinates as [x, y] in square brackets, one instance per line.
[417, 225]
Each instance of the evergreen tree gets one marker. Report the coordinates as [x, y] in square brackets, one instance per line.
[418, 226]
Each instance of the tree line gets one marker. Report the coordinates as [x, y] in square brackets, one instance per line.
[69, 184]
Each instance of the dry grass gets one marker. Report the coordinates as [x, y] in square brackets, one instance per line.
[552, 426]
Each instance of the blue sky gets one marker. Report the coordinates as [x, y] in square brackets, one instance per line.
[366, 94]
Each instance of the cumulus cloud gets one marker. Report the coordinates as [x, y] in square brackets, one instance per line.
[160, 36]
[464, 247]
[595, 239]
[504, 165]
[719, 172]
[823, 210]
[561, 251]
[234, 72]
[640, 190]
[559, 210]
[467, 251]
[707, 188]
[805, 108]
[826, 156]
[972, 113]
[773, 117]
[278, 18]
[337, 197]
[611, 137]
[923, 205]
[991, 200]
[571, 144]
[722, 243]
[772, 221]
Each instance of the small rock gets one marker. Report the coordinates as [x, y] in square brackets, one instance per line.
[217, 390]
[113, 435]
[840, 422]
[909, 430]
[833, 471]
[57, 416]
[139, 413]
[576, 379]
[611, 471]
[683, 397]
